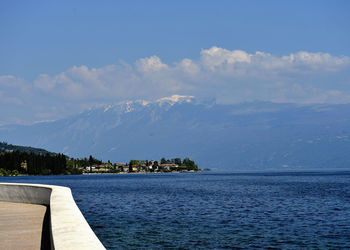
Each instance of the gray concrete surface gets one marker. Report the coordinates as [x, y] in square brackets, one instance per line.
[68, 227]
[21, 225]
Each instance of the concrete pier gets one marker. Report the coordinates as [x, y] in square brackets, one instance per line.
[22, 226]
[34, 216]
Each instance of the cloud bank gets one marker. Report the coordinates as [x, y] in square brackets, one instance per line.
[228, 75]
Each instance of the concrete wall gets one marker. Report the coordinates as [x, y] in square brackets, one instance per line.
[69, 229]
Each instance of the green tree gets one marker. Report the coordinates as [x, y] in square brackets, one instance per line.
[177, 161]
[190, 165]
[130, 166]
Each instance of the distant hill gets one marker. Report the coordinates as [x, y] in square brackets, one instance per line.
[246, 136]
[7, 148]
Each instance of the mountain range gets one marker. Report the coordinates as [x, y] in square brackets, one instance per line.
[245, 136]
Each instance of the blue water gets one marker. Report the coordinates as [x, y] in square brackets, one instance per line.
[208, 210]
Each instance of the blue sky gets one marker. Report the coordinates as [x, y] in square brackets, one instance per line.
[59, 57]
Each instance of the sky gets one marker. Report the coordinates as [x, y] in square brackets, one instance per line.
[58, 58]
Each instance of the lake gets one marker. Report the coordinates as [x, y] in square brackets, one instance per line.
[213, 210]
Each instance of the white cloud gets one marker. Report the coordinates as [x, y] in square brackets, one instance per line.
[216, 58]
[82, 83]
[150, 64]
[217, 71]
[318, 61]
[239, 62]
[228, 75]
[9, 81]
[216, 66]
[188, 66]
[13, 90]
[45, 82]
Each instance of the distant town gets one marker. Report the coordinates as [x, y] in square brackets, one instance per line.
[92, 165]
[19, 160]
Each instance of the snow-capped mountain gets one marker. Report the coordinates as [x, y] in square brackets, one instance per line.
[129, 106]
[257, 135]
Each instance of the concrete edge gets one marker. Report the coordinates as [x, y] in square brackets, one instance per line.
[69, 229]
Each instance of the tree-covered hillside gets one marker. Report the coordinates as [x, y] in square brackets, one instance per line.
[7, 148]
[16, 160]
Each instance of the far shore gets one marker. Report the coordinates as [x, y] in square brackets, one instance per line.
[173, 172]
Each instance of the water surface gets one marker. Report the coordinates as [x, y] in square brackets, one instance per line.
[208, 210]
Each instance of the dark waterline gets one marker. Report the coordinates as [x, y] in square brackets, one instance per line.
[213, 210]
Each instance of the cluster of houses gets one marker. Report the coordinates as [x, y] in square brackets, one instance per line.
[137, 167]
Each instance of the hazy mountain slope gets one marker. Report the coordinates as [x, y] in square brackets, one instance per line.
[5, 147]
[244, 136]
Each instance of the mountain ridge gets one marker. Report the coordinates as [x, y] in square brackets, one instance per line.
[251, 136]
[8, 148]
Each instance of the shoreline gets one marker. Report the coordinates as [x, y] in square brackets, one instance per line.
[175, 172]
